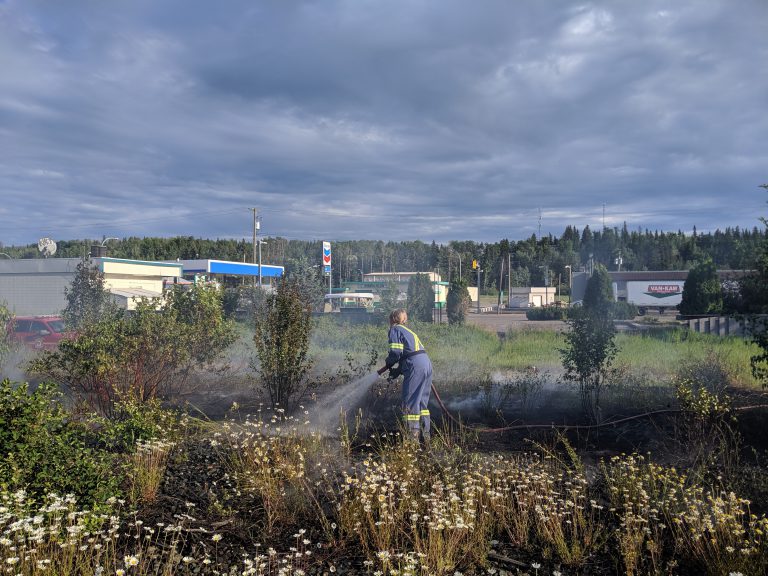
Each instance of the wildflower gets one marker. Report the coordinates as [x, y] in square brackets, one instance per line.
[535, 565]
[131, 560]
[216, 537]
[186, 559]
[119, 572]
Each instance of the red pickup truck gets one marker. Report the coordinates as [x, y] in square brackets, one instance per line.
[38, 332]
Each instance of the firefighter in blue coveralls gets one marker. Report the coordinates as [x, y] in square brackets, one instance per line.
[407, 351]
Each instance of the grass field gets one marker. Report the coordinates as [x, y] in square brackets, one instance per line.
[469, 352]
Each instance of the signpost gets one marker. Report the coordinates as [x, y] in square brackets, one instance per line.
[327, 264]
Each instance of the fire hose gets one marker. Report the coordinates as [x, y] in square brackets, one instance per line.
[650, 414]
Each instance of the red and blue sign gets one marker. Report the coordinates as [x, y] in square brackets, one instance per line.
[327, 257]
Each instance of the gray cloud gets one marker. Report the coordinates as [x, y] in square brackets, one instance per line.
[394, 120]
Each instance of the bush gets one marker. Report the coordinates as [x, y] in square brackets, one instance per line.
[148, 353]
[43, 450]
[133, 422]
[547, 313]
[623, 311]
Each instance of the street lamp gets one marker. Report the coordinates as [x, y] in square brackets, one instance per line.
[6, 255]
[570, 282]
[459, 256]
[104, 242]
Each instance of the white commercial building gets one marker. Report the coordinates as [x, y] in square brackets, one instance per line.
[37, 286]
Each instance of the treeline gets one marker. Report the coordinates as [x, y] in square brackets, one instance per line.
[534, 261]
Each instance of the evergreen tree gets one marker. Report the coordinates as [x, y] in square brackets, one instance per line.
[599, 291]
[702, 292]
[309, 280]
[88, 300]
[421, 298]
[458, 302]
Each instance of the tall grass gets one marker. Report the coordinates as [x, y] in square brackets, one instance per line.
[470, 354]
[661, 353]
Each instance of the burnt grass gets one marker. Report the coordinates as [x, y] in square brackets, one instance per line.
[199, 487]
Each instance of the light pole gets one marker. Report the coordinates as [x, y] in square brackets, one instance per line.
[6, 255]
[570, 282]
[104, 242]
[260, 243]
[478, 288]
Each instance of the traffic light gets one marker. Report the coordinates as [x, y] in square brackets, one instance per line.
[474, 264]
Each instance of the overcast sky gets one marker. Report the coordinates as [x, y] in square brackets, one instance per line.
[380, 119]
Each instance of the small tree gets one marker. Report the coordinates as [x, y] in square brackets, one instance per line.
[88, 300]
[282, 332]
[458, 301]
[702, 292]
[390, 298]
[599, 292]
[421, 298]
[309, 280]
[590, 346]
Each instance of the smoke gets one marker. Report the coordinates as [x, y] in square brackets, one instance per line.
[325, 414]
[15, 364]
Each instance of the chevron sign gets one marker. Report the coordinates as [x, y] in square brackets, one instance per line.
[327, 257]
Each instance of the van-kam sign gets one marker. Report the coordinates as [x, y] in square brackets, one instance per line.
[663, 290]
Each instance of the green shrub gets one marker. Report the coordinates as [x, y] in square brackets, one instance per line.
[547, 313]
[623, 310]
[132, 422]
[42, 450]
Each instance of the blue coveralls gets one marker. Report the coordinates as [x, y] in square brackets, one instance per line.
[417, 381]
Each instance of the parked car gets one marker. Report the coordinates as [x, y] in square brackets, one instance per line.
[39, 332]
